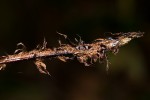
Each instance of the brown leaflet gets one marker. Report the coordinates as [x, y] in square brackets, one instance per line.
[41, 66]
[63, 58]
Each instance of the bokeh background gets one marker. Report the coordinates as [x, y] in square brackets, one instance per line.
[29, 21]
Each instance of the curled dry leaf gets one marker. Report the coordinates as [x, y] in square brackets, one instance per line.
[41, 66]
[63, 58]
[20, 48]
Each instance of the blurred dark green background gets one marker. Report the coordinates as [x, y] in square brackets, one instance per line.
[29, 21]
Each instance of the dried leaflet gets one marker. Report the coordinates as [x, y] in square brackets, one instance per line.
[41, 66]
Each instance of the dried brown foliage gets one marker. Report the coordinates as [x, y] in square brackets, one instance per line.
[84, 53]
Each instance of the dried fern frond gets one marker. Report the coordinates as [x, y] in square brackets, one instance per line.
[84, 53]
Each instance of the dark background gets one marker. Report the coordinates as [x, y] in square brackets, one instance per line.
[29, 21]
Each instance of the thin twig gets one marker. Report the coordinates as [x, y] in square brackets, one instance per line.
[84, 53]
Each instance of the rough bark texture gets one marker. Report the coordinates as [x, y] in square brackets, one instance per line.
[84, 53]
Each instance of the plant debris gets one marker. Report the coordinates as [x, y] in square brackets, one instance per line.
[84, 53]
